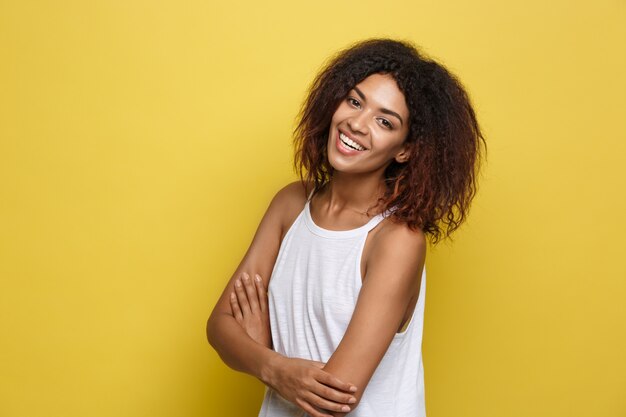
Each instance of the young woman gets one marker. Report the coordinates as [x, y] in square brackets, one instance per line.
[391, 148]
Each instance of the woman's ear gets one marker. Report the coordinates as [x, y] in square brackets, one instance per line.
[402, 158]
[403, 155]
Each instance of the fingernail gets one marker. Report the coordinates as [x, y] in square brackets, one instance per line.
[352, 400]
[237, 283]
[345, 408]
[352, 388]
[245, 276]
[258, 277]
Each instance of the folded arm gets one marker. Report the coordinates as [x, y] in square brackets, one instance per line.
[300, 381]
[391, 281]
[236, 348]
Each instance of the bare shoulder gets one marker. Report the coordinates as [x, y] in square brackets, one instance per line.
[399, 247]
[289, 202]
[293, 194]
[399, 237]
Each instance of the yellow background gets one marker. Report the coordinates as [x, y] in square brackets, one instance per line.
[141, 142]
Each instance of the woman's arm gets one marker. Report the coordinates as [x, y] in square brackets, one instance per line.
[231, 342]
[302, 382]
[392, 279]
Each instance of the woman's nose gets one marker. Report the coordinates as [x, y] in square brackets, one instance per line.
[358, 123]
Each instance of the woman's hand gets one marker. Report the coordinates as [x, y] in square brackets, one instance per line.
[300, 381]
[307, 385]
[249, 307]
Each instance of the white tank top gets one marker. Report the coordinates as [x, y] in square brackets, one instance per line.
[312, 293]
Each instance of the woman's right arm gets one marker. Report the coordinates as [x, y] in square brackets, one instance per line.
[302, 382]
[230, 340]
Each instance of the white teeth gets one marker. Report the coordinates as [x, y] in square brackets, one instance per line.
[350, 142]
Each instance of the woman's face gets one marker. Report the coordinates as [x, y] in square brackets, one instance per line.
[373, 118]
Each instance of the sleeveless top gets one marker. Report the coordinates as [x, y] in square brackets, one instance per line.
[312, 293]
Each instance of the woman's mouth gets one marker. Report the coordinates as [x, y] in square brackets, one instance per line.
[347, 145]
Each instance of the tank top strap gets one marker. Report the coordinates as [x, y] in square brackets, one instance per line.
[378, 218]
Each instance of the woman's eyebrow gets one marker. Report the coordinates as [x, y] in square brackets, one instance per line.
[386, 111]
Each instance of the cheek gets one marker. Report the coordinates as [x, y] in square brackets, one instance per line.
[342, 111]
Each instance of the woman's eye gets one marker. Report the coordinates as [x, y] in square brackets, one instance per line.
[386, 123]
[353, 102]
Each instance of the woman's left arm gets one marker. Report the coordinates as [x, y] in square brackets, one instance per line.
[392, 278]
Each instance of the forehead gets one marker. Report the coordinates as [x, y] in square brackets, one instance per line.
[381, 90]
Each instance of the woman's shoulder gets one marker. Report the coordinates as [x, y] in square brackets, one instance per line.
[293, 195]
[290, 200]
[396, 234]
[398, 251]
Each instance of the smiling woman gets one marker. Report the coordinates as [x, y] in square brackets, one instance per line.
[326, 307]
[365, 118]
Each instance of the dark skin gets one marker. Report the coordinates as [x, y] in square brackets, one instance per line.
[250, 309]
[300, 381]
[391, 265]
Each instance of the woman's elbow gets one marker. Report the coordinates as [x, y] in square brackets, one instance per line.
[212, 331]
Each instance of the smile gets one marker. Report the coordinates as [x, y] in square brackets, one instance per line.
[350, 143]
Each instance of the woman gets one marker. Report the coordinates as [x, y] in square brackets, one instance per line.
[391, 149]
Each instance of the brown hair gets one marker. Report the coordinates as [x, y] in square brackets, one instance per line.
[437, 184]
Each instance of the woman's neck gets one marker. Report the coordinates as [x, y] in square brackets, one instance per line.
[350, 193]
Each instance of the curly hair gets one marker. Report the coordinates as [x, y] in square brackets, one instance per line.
[435, 187]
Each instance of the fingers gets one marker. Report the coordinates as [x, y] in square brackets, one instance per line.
[250, 294]
[234, 306]
[242, 298]
[310, 409]
[333, 399]
[253, 298]
[262, 293]
[325, 404]
[333, 382]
